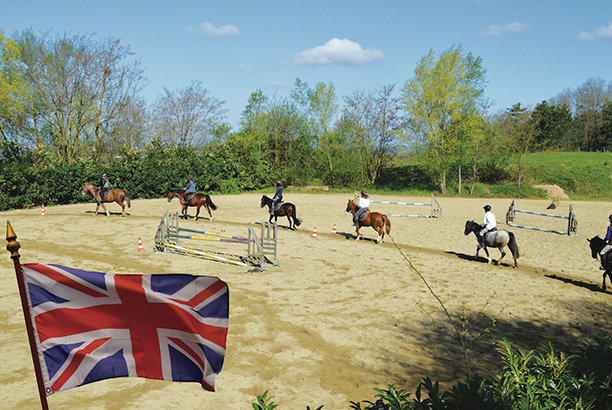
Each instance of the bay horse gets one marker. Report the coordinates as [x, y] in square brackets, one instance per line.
[196, 200]
[498, 238]
[597, 244]
[283, 209]
[379, 222]
[114, 195]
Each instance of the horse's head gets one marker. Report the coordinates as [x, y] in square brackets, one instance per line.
[263, 201]
[596, 244]
[350, 206]
[86, 189]
[469, 227]
[171, 194]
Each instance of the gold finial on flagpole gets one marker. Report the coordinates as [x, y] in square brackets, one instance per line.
[12, 246]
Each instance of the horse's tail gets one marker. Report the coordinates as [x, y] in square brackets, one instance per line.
[387, 223]
[513, 246]
[127, 197]
[210, 203]
[296, 221]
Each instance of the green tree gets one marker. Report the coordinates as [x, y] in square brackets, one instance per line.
[12, 88]
[520, 130]
[554, 124]
[443, 88]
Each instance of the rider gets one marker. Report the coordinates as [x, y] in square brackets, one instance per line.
[189, 191]
[364, 205]
[489, 224]
[104, 187]
[278, 197]
[608, 241]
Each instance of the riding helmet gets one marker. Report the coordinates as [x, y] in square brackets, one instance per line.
[103, 175]
[487, 208]
[364, 193]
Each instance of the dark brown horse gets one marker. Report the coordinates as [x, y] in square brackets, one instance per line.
[376, 220]
[597, 244]
[285, 209]
[114, 195]
[196, 200]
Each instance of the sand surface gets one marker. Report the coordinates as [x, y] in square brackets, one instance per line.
[337, 317]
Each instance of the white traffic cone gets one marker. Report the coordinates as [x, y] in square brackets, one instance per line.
[42, 211]
[140, 247]
[334, 230]
[314, 233]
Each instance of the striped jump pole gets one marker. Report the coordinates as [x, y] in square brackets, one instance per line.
[435, 208]
[572, 223]
[208, 255]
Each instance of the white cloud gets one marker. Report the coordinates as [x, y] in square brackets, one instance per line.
[244, 67]
[210, 30]
[497, 30]
[602, 33]
[337, 51]
[277, 84]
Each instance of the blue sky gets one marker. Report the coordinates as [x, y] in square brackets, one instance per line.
[532, 50]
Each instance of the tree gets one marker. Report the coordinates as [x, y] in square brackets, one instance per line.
[553, 126]
[589, 100]
[188, 116]
[443, 89]
[373, 120]
[519, 128]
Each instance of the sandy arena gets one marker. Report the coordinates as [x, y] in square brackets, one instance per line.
[337, 317]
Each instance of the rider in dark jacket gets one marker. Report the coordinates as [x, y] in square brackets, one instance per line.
[278, 197]
[104, 187]
[190, 190]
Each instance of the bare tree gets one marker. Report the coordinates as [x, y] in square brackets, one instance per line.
[375, 123]
[188, 116]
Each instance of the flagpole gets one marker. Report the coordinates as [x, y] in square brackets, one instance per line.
[13, 247]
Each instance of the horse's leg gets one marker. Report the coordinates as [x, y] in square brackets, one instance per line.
[607, 272]
[197, 212]
[289, 219]
[488, 256]
[105, 210]
[357, 229]
[184, 212]
[502, 256]
[97, 207]
[122, 208]
[208, 210]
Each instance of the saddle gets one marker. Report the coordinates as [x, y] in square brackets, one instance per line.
[362, 217]
[489, 236]
[278, 206]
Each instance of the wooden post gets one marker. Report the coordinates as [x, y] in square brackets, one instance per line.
[13, 247]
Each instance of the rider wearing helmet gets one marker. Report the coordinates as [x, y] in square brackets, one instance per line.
[608, 241]
[104, 187]
[278, 197]
[489, 224]
[364, 206]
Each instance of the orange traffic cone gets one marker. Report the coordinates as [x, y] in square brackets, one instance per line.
[42, 211]
[334, 230]
[140, 247]
[314, 233]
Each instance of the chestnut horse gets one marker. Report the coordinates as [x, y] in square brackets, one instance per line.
[376, 220]
[283, 209]
[196, 200]
[114, 195]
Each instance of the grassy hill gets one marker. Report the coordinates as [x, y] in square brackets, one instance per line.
[582, 175]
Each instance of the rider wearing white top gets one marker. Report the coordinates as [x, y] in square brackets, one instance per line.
[364, 205]
[489, 224]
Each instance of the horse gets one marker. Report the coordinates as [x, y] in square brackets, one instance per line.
[114, 195]
[597, 244]
[196, 200]
[379, 222]
[283, 209]
[495, 239]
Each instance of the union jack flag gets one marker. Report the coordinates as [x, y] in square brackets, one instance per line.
[91, 326]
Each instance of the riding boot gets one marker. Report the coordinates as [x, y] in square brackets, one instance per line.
[481, 244]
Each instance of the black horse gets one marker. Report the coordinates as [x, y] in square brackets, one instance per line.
[283, 209]
[495, 239]
[597, 244]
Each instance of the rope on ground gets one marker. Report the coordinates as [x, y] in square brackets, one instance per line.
[465, 357]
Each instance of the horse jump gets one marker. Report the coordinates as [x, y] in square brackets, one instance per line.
[434, 212]
[169, 233]
[572, 223]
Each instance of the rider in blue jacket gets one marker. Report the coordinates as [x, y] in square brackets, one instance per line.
[190, 190]
[104, 187]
